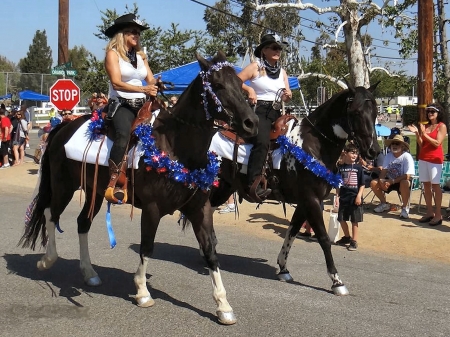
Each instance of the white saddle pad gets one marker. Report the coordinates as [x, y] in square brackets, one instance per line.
[225, 147]
[80, 148]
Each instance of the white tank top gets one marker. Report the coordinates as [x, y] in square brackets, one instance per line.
[130, 75]
[265, 87]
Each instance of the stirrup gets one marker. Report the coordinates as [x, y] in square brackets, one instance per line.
[263, 193]
[117, 194]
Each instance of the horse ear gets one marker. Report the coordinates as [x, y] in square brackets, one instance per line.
[373, 86]
[221, 57]
[349, 85]
[204, 65]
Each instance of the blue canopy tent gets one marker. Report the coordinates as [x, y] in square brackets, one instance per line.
[33, 96]
[8, 96]
[183, 75]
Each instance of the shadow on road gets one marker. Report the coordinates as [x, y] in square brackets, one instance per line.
[190, 258]
[66, 276]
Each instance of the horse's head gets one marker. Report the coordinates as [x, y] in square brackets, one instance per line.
[361, 114]
[223, 98]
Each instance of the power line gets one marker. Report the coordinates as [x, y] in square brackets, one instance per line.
[291, 36]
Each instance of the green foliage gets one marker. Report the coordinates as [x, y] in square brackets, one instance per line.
[392, 86]
[238, 34]
[410, 115]
[38, 60]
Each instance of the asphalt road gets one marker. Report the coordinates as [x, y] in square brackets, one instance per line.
[388, 296]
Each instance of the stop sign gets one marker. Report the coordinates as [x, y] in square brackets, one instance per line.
[64, 94]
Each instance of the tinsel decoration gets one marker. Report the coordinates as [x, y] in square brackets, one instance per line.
[96, 126]
[308, 161]
[208, 89]
[160, 162]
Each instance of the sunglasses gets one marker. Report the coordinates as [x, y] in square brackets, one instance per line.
[396, 143]
[134, 32]
[275, 48]
[431, 111]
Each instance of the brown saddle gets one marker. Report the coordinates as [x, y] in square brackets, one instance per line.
[279, 128]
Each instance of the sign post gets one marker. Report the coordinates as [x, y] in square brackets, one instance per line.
[64, 94]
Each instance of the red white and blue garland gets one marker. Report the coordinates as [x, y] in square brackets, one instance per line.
[96, 126]
[308, 161]
[160, 162]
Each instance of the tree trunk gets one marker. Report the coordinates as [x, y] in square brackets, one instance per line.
[359, 71]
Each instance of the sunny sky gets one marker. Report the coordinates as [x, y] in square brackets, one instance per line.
[28, 16]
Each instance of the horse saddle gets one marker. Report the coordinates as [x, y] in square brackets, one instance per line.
[279, 128]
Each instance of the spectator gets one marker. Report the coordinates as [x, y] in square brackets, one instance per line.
[5, 137]
[230, 206]
[26, 115]
[14, 122]
[99, 102]
[172, 101]
[350, 196]
[372, 168]
[431, 158]
[19, 139]
[398, 168]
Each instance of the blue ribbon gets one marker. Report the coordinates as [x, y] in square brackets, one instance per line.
[112, 237]
[58, 228]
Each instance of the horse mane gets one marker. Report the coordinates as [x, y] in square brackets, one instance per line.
[322, 110]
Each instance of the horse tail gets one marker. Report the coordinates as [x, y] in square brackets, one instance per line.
[35, 219]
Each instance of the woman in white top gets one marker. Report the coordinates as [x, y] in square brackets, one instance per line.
[126, 66]
[268, 82]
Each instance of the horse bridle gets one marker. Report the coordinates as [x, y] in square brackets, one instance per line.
[208, 90]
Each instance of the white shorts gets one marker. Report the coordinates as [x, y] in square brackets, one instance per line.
[429, 172]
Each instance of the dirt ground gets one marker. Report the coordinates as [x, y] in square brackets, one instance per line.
[380, 233]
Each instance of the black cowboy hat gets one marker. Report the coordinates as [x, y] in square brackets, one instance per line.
[269, 39]
[122, 22]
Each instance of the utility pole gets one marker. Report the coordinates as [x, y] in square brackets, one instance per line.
[425, 56]
[63, 32]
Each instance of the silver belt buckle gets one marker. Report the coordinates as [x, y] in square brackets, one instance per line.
[276, 105]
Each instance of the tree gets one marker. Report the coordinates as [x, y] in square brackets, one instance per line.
[38, 61]
[167, 49]
[6, 79]
[350, 16]
[240, 32]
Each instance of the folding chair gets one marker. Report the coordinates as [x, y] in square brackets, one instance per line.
[445, 176]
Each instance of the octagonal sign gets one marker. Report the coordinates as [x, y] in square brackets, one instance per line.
[64, 94]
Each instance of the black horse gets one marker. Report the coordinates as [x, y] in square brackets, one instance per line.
[349, 114]
[183, 135]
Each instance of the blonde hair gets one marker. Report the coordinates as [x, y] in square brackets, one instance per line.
[117, 43]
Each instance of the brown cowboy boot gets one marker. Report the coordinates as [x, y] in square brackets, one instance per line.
[116, 192]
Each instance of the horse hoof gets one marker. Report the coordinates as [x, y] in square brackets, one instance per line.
[340, 290]
[44, 264]
[226, 318]
[285, 277]
[93, 281]
[145, 302]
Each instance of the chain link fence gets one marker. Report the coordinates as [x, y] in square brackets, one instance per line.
[14, 82]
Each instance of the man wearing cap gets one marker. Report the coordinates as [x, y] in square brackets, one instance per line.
[127, 66]
[268, 86]
[398, 168]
